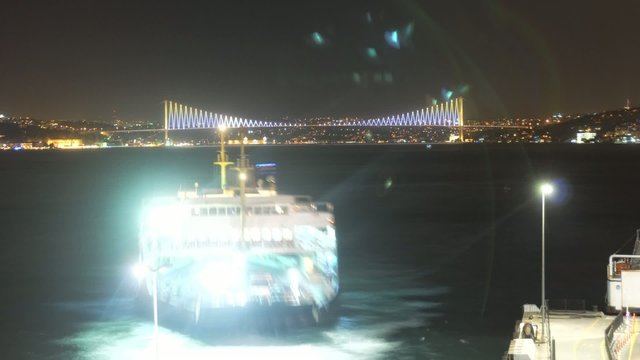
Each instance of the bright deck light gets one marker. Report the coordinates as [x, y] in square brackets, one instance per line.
[546, 189]
[138, 270]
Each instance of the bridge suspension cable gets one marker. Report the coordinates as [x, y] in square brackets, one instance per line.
[182, 117]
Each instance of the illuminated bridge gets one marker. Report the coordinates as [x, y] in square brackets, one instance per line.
[448, 114]
[183, 117]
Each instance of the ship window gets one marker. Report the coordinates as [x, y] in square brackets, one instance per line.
[276, 234]
[282, 210]
[266, 234]
[231, 211]
[255, 234]
[195, 212]
[321, 207]
[258, 210]
[222, 211]
[287, 234]
[213, 211]
[248, 210]
[302, 200]
[266, 210]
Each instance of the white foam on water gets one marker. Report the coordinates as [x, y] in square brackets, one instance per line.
[135, 340]
[371, 315]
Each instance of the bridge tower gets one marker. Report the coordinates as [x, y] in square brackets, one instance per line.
[460, 107]
[166, 123]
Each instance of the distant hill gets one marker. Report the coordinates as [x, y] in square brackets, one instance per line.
[607, 125]
[31, 133]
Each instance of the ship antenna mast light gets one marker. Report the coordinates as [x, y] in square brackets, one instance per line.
[223, 159]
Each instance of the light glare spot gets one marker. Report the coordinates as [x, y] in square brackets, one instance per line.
[446, 94]
[388, 183]
[368, 17]
[317, 38]
[464, 89]
[392, 38]
[408, 30]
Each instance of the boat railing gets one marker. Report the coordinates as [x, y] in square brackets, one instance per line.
[617, 263]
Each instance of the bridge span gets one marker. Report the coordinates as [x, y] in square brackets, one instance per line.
[448, 114]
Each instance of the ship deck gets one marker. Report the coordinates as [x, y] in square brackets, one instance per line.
[579, 335]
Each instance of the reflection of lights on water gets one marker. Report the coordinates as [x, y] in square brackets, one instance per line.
[376, 317]
[132, 340]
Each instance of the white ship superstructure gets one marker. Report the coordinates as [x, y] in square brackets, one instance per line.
[242, 245]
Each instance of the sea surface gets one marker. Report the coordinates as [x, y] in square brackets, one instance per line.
[439, 247]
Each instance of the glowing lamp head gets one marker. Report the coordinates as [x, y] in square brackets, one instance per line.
[222, 127]
[242, 176]
[546, 189]
[139, 271]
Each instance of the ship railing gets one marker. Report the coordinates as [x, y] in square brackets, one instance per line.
[199, 247]
[618, 334]
[546, 324]
[567, 304]
[313, 207]
[618, 263]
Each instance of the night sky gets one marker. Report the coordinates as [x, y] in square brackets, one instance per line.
[270, 59]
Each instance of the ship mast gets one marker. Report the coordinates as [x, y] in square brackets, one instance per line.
[242, 175]
[223, 159]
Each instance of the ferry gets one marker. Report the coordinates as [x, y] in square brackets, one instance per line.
[238, 246]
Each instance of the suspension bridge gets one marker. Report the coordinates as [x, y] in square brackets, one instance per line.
[449, 114]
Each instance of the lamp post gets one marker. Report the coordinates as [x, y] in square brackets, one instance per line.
[139, 271]
[545, 189]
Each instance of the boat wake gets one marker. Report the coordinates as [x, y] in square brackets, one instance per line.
[380, 315]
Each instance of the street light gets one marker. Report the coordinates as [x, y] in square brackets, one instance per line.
[545, 189]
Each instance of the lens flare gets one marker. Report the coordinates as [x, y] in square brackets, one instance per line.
[318, 39]
[391, 37]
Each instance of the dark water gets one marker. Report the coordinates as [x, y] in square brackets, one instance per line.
[438, 248]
